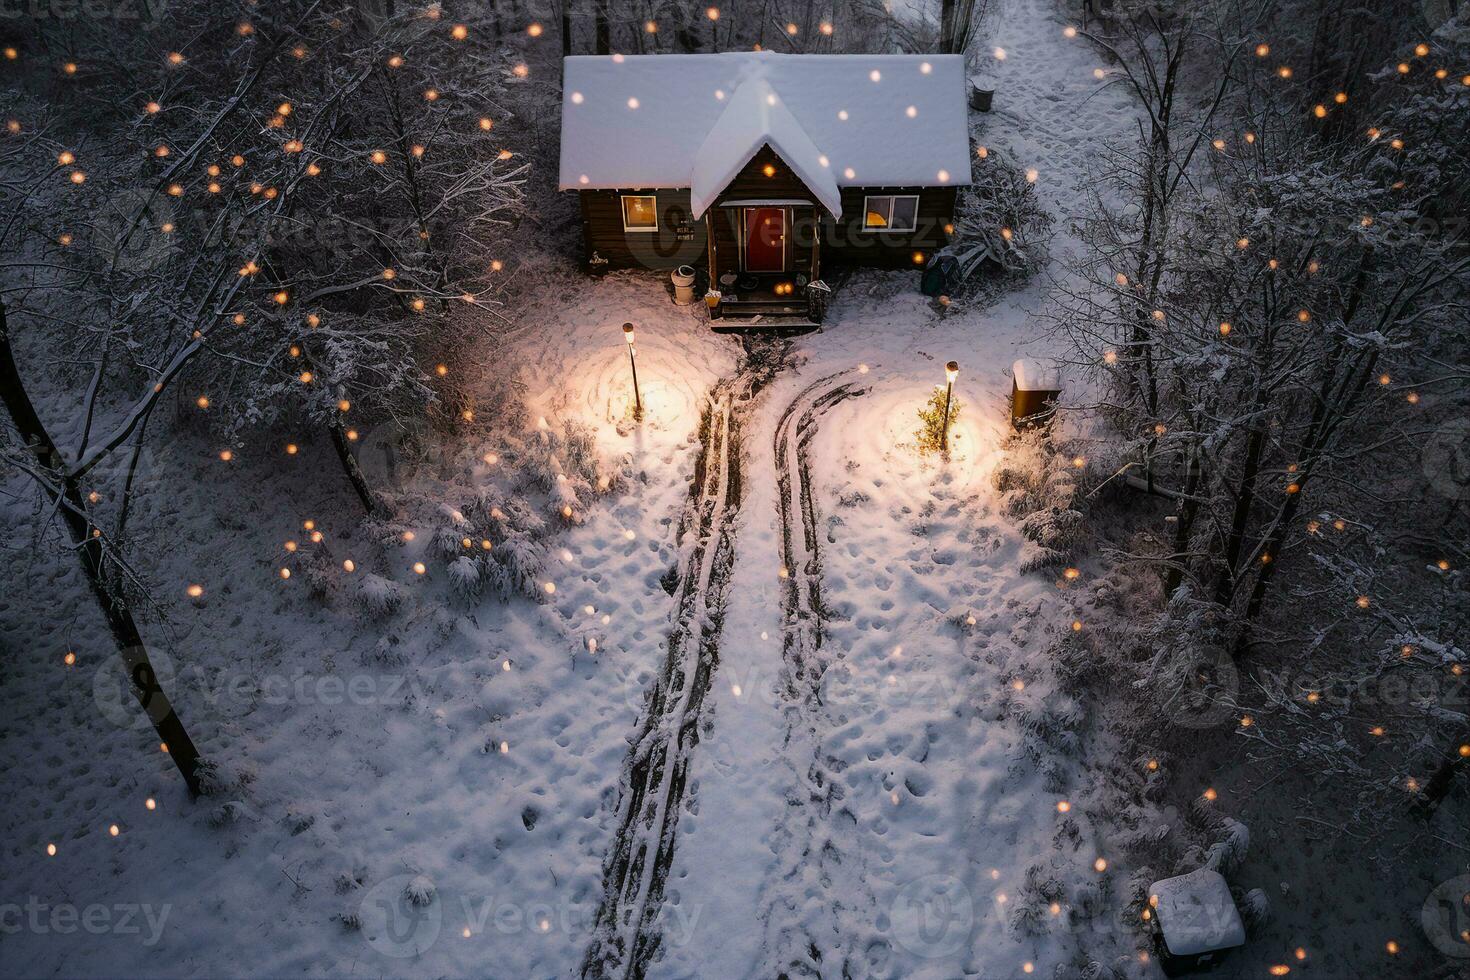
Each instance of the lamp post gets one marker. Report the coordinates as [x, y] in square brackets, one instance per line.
[951, 371]
[633, 363]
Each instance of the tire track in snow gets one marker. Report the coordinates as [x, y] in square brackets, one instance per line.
[814, 880]
[626, 934]
[802, 603]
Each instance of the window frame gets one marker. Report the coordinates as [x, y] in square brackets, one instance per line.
[891, 199]
[623, 209]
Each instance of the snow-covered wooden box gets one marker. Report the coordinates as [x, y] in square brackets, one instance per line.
[1195, 922]
[1035, 387]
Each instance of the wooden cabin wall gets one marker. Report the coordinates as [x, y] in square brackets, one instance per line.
[752, 182]
[725, 231]
[845, 242]
[680, 240]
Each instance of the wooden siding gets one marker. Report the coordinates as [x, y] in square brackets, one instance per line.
[678, 241]
[715, 239]
[752, 182]
[846, 243]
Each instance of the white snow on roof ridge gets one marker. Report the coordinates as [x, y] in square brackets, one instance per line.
[634, 122]
[757, 117]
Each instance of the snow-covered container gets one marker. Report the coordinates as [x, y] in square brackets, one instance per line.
[1035, 387]
[1195, 922]
[683, 280]
[982, 92]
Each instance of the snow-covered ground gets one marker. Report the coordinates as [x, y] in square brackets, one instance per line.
[932, 819]
[435, 792]
[474, 748]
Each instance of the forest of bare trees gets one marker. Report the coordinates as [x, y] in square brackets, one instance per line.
[1274, 306]
[240, 219]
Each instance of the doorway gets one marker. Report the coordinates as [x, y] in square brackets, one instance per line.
[765, 239]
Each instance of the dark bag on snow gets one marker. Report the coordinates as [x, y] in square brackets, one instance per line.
[940, 275]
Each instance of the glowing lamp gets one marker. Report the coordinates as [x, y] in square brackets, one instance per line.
[633, 364]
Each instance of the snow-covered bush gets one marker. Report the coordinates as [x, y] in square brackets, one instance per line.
[566, 467]
[229, 813]
[379, 596]
[1190, 681]
[466, 578]
[516, 565]
[1038, 487]
[579, 449]
[1001, 213]
[317, 571]
[448, 541]
[1255, 911]
[419, 891]
[1228, 853]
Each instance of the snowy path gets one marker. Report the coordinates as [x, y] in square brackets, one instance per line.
[809, 862]
[486, 757]
[654, 780]
[904, 825]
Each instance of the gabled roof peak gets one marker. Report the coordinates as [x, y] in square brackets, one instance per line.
[756, 117]
[640, 121]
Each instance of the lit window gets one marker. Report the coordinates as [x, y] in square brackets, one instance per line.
[640, 212]
[897, 213]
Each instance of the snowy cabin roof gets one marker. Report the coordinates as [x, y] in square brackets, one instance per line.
[1196, 913]
[694, 120]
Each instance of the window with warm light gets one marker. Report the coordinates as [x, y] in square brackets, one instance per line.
[891, 213]
[640, 212]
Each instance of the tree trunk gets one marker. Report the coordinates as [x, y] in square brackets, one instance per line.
[344, 451]
[604, 28]
[1453, 760]
[566, 28]
[1245, 498]
[946, 26]
[1184, 522]
[1272, 547]
[173, 737]
[1328, 411]
[353, 471]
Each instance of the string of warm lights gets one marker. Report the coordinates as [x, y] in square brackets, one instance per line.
[282, 297]
[67, 162]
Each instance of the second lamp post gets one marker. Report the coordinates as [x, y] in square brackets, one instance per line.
[633, 363]
[951, 371]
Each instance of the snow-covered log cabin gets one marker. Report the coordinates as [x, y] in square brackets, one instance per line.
[764, 169]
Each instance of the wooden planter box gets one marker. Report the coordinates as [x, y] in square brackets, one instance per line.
[1195, 922]
[1035, 388]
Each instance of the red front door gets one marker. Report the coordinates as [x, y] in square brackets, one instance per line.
[765, 239]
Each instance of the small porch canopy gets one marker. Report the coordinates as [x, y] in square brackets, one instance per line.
[693, 121]
[755, 117]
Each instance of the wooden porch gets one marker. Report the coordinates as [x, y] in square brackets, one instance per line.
[764, 241]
